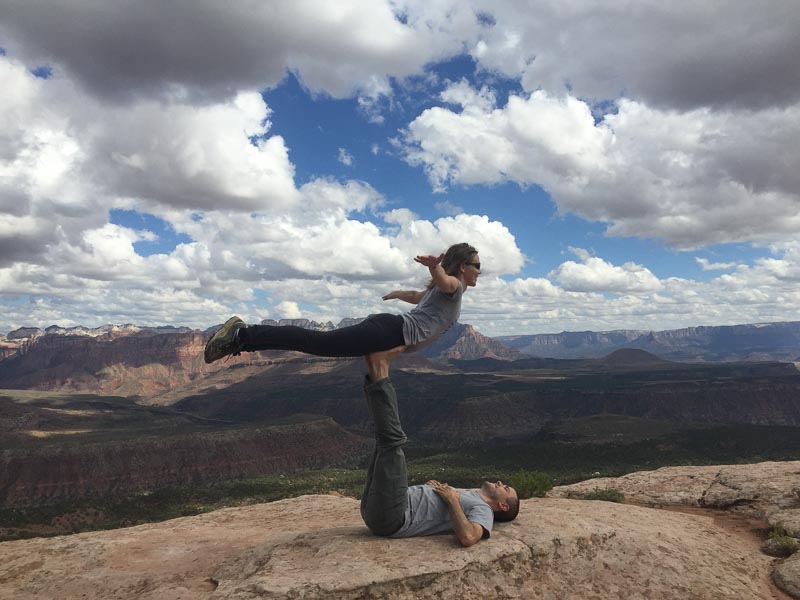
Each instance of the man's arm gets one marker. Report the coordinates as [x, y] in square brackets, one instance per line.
[410, 296]
[467, 532]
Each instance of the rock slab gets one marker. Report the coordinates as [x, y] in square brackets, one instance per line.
[787, 576]
[788, 520]
[758, 489]
[316, 547]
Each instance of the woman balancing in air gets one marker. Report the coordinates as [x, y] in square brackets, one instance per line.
[438, 307]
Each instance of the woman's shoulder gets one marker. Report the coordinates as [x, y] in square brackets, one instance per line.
[455, 295]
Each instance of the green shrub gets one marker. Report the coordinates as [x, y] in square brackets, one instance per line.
[782, 544]
[530, 484]
[608, 494]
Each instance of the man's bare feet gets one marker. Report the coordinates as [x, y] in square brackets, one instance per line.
[378, 362]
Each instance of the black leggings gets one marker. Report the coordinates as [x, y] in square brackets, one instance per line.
[374, 334]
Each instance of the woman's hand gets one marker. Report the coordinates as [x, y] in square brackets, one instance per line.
[392, 295]
[447, 283]
[429, 261]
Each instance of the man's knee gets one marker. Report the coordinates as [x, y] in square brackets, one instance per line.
[381, 528]
[381, 521]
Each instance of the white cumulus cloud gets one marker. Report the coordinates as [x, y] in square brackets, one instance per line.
[593, 274]
[707, 265]
[690, 179]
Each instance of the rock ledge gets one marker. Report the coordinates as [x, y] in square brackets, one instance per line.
[317, 547]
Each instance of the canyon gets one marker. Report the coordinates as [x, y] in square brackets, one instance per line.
[93, 416]
[123, 410]
[113, 412]
[145, 362]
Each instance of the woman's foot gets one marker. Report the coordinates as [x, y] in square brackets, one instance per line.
[225, 341]
[378, 363]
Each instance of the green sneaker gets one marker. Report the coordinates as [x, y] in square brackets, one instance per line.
[224, 341]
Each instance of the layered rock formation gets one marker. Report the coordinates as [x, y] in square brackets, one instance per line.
[463, 342]
[768, 491]
[758, 490]
[148, 362]
[316, 547]
[59, 472]
[760, 341]
[142, 363]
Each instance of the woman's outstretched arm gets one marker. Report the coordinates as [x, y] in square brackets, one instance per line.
[410, 296]
[447, 283]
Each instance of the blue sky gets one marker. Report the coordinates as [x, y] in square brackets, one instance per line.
[289, 162]
[317, 126]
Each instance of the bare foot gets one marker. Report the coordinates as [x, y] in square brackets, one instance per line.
[378, 362]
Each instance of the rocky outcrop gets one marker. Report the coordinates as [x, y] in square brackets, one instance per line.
[24, 333]
[463, 342]
[787, 575]
[788, 520]
[758, 489]
[58, 472]
[316, 547]
[8, 348]
[144, 363]
[766, 490]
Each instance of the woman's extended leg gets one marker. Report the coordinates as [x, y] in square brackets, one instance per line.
[374, 334]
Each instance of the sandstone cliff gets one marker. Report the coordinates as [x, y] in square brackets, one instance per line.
[57, 472]
[317, 547]
[148, 362]
[139, 363]
[463, 342]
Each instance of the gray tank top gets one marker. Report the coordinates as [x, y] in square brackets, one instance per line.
[434, 315]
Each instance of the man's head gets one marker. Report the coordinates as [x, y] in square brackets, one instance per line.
[502, 498]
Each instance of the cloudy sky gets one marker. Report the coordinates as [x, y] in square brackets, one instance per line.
[617, 165]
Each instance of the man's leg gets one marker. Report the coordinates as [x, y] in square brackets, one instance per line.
[385, 498]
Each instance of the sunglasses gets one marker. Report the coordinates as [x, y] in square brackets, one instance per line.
[477, 265]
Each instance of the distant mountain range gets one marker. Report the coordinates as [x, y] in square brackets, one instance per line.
[750, 342]
[754, 342]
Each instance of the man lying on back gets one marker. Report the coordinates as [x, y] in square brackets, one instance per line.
[391, 508]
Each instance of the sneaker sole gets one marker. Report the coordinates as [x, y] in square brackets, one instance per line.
[207, 348]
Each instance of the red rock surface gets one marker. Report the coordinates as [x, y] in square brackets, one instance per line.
[316, 547]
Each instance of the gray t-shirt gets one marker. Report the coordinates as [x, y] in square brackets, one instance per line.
[428, 514]
[434, 315]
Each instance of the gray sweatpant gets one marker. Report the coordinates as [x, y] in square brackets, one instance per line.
[383, 505]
